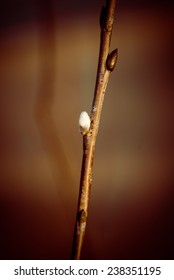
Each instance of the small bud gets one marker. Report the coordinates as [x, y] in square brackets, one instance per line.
[111, 60]
[84, 123]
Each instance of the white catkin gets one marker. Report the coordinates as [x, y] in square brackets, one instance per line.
[84, 123]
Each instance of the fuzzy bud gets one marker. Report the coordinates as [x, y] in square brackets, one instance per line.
[84, 123]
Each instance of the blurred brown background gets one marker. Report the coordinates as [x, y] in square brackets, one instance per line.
[48, 58]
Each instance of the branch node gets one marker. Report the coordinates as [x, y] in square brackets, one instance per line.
[82, 216]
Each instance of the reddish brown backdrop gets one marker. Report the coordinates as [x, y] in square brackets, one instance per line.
[48, 58]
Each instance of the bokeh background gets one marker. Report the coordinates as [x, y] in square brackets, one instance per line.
[48, 61]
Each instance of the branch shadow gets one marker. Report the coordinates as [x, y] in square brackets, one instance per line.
[45, 100]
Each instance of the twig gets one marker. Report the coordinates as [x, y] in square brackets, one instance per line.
[106, 64]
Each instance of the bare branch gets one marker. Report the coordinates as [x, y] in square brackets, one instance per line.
[106, 64]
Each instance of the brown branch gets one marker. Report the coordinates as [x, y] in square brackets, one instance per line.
[106, 64]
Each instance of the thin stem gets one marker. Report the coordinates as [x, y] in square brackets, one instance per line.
[106, 64]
